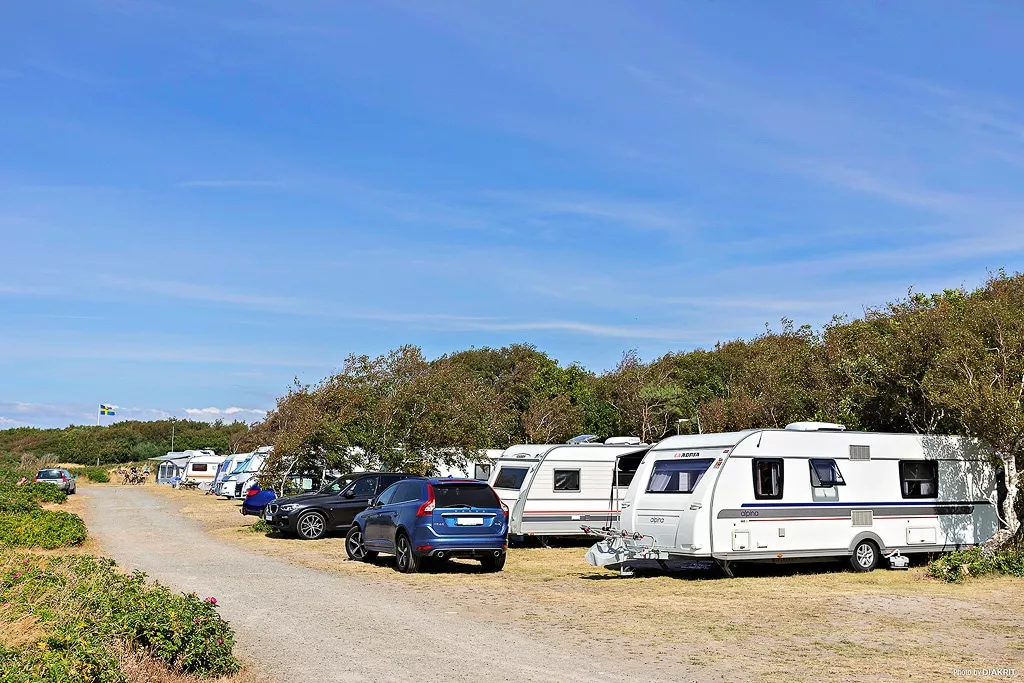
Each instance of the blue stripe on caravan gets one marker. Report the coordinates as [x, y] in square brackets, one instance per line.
[915, 502]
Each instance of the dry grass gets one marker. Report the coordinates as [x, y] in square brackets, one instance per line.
[21, 632]
[829, 624]
[141, 667]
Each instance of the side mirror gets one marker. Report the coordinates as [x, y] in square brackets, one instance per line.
[348, 494]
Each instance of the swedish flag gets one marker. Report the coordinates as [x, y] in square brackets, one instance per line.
[106, 410]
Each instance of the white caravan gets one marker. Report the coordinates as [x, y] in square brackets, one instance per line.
[479, 467]
[812, 490]
[553, 489]
[201, 467]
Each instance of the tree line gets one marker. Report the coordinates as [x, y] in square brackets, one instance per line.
[127, 441]
[946, 363]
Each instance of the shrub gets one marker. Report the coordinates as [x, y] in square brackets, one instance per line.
[261, 527]
[24, 498]
[89, 609]
[956, 566]
[97, 475]
[41, 529]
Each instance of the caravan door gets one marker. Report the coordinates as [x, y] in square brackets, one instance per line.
[670, 504]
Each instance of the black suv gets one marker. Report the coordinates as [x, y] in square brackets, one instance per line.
[312, 515]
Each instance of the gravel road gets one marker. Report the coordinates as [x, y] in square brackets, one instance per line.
[297, 624]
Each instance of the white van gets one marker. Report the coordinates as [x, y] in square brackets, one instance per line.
[812, 490]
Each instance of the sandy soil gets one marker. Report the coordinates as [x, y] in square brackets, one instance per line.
[774, 624]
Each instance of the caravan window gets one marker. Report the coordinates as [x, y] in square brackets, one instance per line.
[677, 476]
[919, 478]
[768, 478]
[482, 472]
[567, 480]
[199, 467]
[825, 474]
[511, 478]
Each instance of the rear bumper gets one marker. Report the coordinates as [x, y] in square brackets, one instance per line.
[429, 543]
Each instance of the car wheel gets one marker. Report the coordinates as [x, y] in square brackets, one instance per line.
[865, 556]
[405, 558]
[311, 526]
[492, 563]
[355, 548]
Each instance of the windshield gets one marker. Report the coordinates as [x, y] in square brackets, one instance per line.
[338, 484]
[465, 495]
[49, 474]
[677, 476]
[240, 467]
[511, 477]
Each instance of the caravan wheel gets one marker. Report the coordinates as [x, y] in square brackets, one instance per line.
[865, 556]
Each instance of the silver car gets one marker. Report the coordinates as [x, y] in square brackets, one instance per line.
[61, 477]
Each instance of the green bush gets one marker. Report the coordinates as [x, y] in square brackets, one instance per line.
[261, 527]
[956, 566]
[88, 608]
[97, 475]
[41, 529]
[24, 498]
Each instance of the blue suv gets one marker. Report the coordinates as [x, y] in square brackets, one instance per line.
[438, 518]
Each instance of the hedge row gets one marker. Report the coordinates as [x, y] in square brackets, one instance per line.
[87, 610]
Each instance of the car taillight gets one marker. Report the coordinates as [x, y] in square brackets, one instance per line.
[427, 508]
[251, 492]
[62, 477]
[504, 508]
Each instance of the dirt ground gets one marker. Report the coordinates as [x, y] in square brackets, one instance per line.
[793, 623]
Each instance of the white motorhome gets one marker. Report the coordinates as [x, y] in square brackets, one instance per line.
[553, 489]
[228, 466]
[812, 490]
[243, 476]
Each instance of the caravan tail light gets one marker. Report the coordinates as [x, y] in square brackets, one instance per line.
[427, 509]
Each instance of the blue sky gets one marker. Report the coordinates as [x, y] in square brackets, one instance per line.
[200, 201]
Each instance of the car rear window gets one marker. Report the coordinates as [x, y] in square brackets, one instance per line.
[458, 495]
[511, 477]
[49, 474]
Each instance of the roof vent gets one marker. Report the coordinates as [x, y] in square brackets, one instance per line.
[623, 441]
[816, 427]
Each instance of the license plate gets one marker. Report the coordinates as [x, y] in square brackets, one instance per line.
[267, 516]
[469, 521]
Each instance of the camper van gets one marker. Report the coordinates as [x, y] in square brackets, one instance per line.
[553, 489]
[244, 475]
[225, 469]
[811, 490]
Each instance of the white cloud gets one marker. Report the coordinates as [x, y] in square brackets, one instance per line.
[220, 413]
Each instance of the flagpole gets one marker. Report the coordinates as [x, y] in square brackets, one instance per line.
[97, 416]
